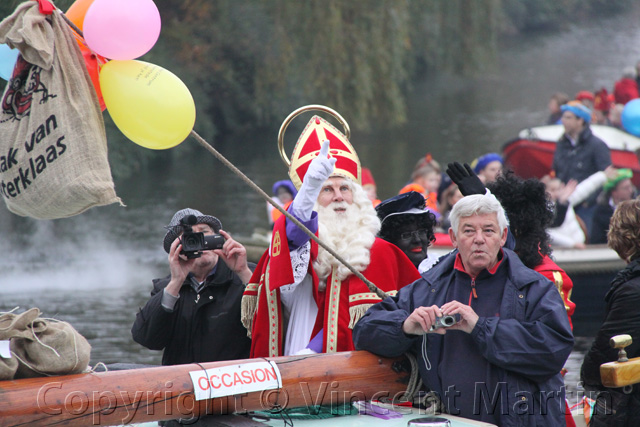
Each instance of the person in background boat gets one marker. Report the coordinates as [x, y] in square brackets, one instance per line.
[614, 191]
[408, 224]
[369, 186]
[315, 300]
[283, 193]
[194, 313]
[445, 182]
[556, 101]
[579, 154]
[615, 116]
[626, 88]
[567, 230]
[601, 107]
[618, 406]
[488, 167]
[425, 179]
[586, 98]
[449, 198]
[512, 335]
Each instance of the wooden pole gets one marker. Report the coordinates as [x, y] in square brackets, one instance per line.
[372, 287]
[164, 393]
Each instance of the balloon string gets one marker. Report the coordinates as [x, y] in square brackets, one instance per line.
[373, 288]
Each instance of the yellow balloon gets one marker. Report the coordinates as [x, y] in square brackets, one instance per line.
[150, 105]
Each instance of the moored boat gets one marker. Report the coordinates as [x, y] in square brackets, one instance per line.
[530, 155]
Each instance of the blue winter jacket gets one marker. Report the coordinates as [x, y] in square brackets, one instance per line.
[529, 342]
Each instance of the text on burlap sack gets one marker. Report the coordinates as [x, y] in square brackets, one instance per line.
[31, 168]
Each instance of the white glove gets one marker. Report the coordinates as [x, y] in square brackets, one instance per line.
[319, 171]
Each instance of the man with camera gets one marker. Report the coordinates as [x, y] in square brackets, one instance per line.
[500, 362]
[194, 313]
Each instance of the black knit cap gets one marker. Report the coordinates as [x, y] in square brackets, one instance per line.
[175, 228]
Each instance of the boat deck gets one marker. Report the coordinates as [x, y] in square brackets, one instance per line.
[339, 421]
[372, 421]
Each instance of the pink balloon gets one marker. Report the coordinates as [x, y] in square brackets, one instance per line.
[122, 29]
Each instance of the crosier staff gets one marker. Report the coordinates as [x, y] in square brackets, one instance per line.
[372, 287]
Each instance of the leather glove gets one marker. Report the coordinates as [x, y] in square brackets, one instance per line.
[320, 169]
[466, 179]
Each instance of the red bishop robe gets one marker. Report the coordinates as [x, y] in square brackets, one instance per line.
[563, 282]
[340, 306]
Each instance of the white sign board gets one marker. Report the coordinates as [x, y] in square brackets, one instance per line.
[235, 379]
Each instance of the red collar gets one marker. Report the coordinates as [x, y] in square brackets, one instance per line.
[460, 267]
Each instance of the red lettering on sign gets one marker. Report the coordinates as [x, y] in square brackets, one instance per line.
[258, 372]
[224, 382]
[247, 377]
[237, 379]
[271, 372]
[206, 383]
[211, 381]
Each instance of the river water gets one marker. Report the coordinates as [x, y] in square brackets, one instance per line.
[95, 270]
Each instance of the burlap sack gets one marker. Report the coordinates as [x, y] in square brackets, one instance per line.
[52, 347]
[14, 325]
[8, 368]
[53, 146]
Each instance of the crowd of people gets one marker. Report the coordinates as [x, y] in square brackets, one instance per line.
[605, 106]
[373, 285]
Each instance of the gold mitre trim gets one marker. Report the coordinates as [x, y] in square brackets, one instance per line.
[308, 146]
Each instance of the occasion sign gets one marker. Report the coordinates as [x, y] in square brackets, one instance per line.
[235, 379]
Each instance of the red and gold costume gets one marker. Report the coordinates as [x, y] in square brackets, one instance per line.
[340, 306]
[563, 282]
[343, 302]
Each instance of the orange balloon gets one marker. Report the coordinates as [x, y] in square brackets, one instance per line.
[77, 11]
[93, 62]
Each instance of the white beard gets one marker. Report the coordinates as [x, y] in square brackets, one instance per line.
[350, 234]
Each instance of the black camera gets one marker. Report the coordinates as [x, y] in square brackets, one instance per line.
[193, 243]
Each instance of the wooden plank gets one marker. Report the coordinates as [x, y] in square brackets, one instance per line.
[163, 393]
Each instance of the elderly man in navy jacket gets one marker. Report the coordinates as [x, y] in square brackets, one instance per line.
[500, 362]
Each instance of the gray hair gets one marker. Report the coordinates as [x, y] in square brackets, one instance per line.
[477, 204]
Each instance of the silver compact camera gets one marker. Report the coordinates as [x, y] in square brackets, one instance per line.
[443, 322]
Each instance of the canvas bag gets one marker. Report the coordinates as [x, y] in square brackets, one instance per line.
[8, 368]
[53, 145]
[13, 325]
[45, 347]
